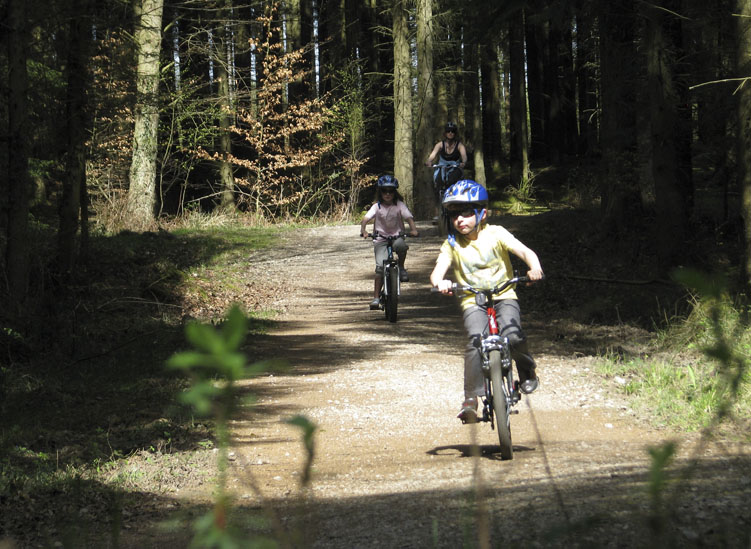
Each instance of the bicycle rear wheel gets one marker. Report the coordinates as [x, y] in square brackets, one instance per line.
[392, 295]
[500, 405]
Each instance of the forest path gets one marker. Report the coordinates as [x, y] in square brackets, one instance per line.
[394, 467]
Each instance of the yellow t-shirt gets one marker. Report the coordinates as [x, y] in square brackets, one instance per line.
[482, 263]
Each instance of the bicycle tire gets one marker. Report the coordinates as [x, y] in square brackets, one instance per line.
[392, 296]
[500, 405]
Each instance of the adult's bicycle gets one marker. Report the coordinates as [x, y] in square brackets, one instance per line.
[444, 175]
[391, 286]
[501, 389]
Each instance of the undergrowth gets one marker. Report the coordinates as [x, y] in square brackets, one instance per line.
[698, 375]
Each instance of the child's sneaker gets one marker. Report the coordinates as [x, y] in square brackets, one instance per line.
[468, 413]
[375, 304]
[403, 275]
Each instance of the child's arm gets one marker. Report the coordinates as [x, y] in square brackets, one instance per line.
[530, 258]
[437, 277]
[412, 227]
[364, 224]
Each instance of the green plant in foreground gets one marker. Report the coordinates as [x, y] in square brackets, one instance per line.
[215, 367]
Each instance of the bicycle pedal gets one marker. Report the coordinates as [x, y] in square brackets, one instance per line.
[513, 411]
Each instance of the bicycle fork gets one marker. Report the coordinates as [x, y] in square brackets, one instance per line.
[494, 342]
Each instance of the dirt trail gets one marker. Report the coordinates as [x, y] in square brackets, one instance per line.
[394, 468]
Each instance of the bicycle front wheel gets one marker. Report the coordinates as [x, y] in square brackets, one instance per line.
[392, 296]
[500, 405]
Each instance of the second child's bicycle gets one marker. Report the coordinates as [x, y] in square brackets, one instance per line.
[501, 389]
[391, 288]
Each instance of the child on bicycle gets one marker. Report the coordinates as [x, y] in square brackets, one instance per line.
[478, 253]
[388, 215]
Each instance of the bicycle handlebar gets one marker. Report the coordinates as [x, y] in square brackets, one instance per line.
[488, 291]
[376, 234]
[451, 164]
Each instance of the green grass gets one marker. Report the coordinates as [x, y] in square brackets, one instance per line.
[699, 374]
[89, 410]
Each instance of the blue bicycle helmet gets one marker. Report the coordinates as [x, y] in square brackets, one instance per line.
[464, 192]
[388, 181]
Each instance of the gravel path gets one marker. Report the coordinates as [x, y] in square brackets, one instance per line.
[394, 468]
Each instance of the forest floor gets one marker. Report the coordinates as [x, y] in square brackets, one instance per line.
[393, 467]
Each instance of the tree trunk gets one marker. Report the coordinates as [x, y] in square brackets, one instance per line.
[17, 248]
[473, 116]
[535, 71]
[621, 197]
[143, 169]
[743, 9]
[663, 101]
[425, 197]
[585, 78]
[226, 118]
[492, 97]
[519, 159]
[402, 101]
[75, 177]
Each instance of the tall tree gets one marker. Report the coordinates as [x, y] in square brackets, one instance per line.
[425, 199]
[492, 97]
[143, 170]
[621, 197]
[535, 30]
[519, 156]
[586, 84]
[662, 50]
[17, 250]
[74, 184]
[473, 116]
[403, 156]
[743, 30]
[222, 46]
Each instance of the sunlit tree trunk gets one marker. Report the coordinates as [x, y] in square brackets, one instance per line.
[743, 29]
[473, 116]
[538, 114]
[519, 157]
[221, 44]
[17, 248]
[403, 156]
[425, 199]
[492, 95]
[143, 169]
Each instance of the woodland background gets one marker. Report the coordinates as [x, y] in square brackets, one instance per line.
[127, 126]
[117, 114]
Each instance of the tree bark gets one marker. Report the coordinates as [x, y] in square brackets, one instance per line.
[75, 177]
[743, 30]
[492, 95]
[425, 197]
[665, 135]
[226, 118]
[519, 157]
[621, 198]
[17, 249]
[473, 116]
[143, 170]
[403, 155]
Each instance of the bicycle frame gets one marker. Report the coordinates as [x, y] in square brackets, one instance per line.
[391, 286]
[501, 391]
